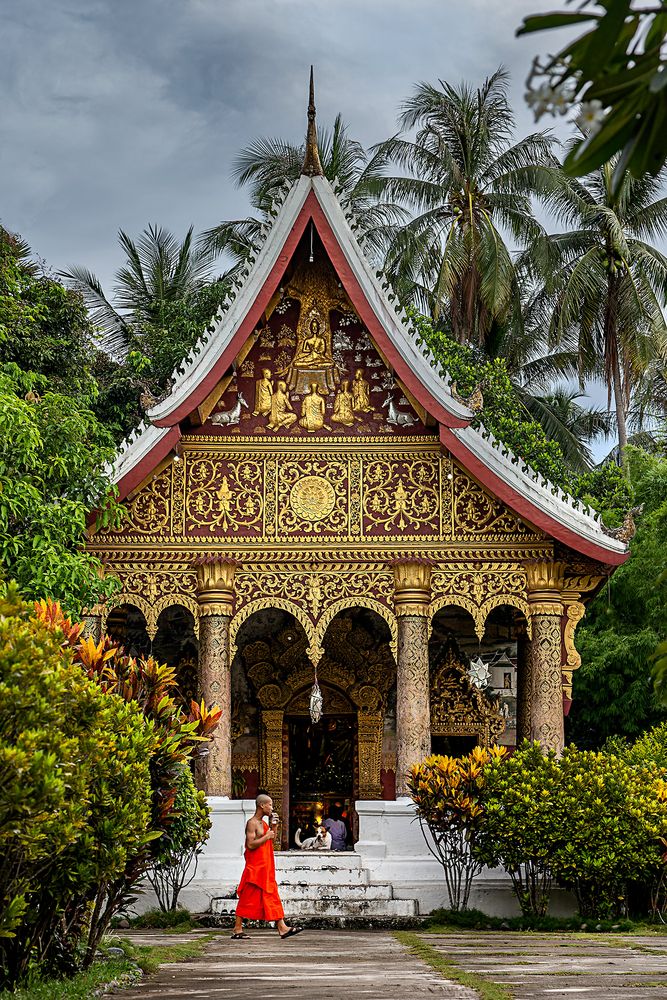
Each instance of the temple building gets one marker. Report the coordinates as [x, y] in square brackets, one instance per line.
[311, 502]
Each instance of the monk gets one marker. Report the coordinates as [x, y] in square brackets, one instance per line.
[258, 891]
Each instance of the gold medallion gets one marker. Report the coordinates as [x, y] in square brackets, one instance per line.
[312, 498]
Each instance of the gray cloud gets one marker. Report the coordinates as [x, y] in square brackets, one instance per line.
[117, 113]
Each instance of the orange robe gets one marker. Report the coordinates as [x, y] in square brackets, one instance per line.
[258, 891]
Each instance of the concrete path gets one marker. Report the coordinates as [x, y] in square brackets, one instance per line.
[315, 965]
[563, 966]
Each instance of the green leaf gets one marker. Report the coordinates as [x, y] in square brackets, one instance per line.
[557, 19]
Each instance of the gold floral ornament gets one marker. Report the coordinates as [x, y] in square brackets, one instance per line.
[312, 498]
[224, 495]
[407, 500]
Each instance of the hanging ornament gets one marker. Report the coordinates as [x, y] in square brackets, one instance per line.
[479, 672]
[316, 702]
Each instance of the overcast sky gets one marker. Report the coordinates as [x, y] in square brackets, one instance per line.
[120, 113]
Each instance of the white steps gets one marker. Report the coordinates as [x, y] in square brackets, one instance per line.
[329, 884]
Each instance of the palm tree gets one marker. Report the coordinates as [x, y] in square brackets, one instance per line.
[266, 165]
[465, 180]
[603, 281]
[158, 272]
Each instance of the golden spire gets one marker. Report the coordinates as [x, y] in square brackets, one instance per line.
[312, 166]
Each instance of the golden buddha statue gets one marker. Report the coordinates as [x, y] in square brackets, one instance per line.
[343, 403]
[282, 414]
[312, 411]
[313, 349]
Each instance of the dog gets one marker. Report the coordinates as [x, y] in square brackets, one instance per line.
[321, 842]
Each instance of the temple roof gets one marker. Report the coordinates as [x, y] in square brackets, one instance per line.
[312, 197]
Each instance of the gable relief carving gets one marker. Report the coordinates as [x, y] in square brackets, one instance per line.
[311, 370]
[251, 493]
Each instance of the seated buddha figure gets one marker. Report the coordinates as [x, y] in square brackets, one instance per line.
[312, 359]
[313, 349]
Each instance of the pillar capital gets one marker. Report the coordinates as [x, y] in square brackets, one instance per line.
[215, 586]
[412, 586]
[545, 580]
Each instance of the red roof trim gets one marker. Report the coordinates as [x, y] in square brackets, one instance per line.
[523, 507]
[149, 462]
[372, 323]
[201, 391]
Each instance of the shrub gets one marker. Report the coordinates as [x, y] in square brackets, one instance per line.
[75, 792]
[523, 823]
[615, 815]
[175, 863]
[447, 793]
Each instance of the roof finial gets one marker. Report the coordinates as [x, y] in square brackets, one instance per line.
[312, 167]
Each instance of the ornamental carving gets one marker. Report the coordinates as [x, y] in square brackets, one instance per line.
[224, 496]
[481, 590]
[459, 707]
[475, 513]
[402, 496]
[224, 491]
[312, 496]
[315, 598]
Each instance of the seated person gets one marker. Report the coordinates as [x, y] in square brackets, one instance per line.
[336, 827]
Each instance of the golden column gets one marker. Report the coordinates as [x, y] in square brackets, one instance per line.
[412, 596]
[215, 592]
[543, 666]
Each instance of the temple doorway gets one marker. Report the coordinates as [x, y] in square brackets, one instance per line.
[321, 771]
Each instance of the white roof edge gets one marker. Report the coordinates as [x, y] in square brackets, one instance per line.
[542, 494]
[427, 371]
[537, 489]
[134, 448]
[205, 353]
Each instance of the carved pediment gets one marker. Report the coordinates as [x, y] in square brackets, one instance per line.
[458, 707]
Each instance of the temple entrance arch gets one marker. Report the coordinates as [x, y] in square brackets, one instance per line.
[300, 763]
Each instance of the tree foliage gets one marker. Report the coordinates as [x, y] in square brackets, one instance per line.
[616, 67]
[523, 823]
[447, 792]
[613, 691]
[466, 182]
[76, 791]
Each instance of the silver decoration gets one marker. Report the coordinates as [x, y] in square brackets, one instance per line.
[316, 702]
[479, 673]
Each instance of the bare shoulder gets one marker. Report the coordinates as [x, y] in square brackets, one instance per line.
[253, 825]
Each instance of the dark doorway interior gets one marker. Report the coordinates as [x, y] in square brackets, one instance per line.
[321, 770]
[453, 746]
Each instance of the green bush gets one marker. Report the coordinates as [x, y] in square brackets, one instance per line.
[76, 790]
[523, 823]
[175, 863]
[614, 816]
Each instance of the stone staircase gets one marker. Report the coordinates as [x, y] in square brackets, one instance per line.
[331, 886]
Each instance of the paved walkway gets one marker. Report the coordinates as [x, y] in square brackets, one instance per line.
[346, 965]
[560, 966]
[315, 965]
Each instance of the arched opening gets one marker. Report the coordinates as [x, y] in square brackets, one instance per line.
[474, 681]
[126, 625]
[311, 769]
[176, 644]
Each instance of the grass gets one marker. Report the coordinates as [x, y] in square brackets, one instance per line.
[486, 989]
[121, 971]
[173, 921]
[118, 971]
[445, 921]
[150, 957]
